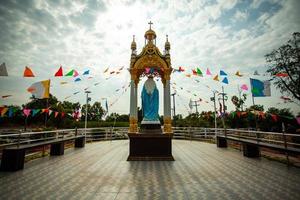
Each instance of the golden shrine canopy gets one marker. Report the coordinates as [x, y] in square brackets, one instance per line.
[150, 57]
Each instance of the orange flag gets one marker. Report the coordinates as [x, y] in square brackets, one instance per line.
[28, 72]
[216, 78]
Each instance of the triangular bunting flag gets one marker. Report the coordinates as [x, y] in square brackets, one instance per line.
[28, 72]
[70, 73]
[45, 110]
[208, 72]
[63, 82]
[194, 72]
[59, 72]
[75, 73]
[244, 87]
[26, 112]
[256, 73]
[281, 75]
[3, 70]
[87, 72]
[62, 114]
[238, 74]
[225, 80]
[35, 111]
[77, 79]
[199, 72]
[5, 96]
[56, 114]
[222, 73]
[50, 112]
[216, 78]
[106, 70]
[3, 111]
[11, 112]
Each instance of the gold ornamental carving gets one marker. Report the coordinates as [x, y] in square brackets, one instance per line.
[168, 125]
[133, 125]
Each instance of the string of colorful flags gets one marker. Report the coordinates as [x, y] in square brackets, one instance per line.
[11, 111]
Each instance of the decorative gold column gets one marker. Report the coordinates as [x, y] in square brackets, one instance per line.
[167, 108]
[133, 126]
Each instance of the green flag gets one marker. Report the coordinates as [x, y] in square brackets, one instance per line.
[199, 72]
[70, 73]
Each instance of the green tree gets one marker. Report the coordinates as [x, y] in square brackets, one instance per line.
[286, 60]
[239, 102]
[256, 107]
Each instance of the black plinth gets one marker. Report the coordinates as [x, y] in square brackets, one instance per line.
[250, 150]
[79, 142]
[57, 149]
[12, 159]
[221, 142]
[150, 147]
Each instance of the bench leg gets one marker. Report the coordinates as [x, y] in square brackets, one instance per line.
[250, 150]
[57, 149]
[79, 142]
[12, 159]
[221, 142]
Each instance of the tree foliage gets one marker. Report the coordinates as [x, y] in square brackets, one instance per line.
[286, 59]
[239, 102]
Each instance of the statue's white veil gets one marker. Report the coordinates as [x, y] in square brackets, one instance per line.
[150, 85]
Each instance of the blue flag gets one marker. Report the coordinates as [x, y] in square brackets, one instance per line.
[222, 73]
[87, 72]
[11, 112]
[260, 88]
[225, 80]
[77, 79]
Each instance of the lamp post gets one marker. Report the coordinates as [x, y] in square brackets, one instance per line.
[174, 111]
[215, 109]
[86, 110]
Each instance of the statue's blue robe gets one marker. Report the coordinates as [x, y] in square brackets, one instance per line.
[150, 105]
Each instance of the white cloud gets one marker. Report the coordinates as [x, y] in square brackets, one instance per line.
[240, 16]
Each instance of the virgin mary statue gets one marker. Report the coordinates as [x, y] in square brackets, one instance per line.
[150, 102]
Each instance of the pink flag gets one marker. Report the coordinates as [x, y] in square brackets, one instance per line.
[244, 87]
[55, 114]
[147, 70]
[208, 72]
[26, 112]
[298, 120]
[75, 73]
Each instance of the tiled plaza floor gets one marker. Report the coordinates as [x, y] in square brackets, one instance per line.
[201, 171]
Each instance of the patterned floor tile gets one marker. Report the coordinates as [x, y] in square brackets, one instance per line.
[201, 171]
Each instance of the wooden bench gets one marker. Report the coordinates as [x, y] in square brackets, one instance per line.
[251, 147]
[13, 157]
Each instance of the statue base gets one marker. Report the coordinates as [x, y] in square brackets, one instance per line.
[150, 147]
[150, 127]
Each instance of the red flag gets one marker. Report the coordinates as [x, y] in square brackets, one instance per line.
[62, 114]
[281, 75]
[59, 72]
[274, 118]
[28, 72]
[194, 72]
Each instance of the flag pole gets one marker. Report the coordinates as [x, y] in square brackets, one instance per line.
[253, 103]
[46, 114]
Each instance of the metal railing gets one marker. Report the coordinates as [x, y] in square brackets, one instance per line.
[117, 133]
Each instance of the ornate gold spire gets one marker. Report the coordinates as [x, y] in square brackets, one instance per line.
[133, 44]
[167, 44]
[150, 34]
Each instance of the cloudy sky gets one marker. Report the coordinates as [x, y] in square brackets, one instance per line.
[230, 35]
